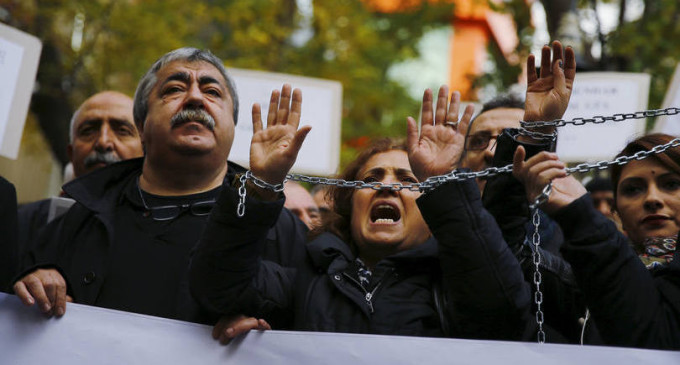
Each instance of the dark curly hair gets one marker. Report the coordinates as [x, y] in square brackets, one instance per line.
[339, 222]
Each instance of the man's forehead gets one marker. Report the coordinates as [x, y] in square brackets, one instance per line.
[495, 120]
[112, 107]
[193, 68]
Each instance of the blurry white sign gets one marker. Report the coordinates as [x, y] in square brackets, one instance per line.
[19, 56]
[321, 109]
[602, 94]
[671, 124]
[91, 335]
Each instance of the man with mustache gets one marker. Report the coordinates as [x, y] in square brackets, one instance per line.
[126, 242]
[102, 131]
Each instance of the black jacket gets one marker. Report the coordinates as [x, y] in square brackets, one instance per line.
[563, 303]
[78, 244]
[9, 248]
[631, 305]
[472, 288]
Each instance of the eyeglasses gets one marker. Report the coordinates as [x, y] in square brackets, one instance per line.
[479, 141]
[169, 212]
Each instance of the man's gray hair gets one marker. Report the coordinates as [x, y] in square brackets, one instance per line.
[148, 81]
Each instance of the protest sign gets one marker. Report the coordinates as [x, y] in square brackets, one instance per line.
[91, 335]
[19, 56]
[321, 109]
[602, 94]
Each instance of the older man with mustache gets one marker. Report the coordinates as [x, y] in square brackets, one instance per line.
[126, 242]
[102, 132]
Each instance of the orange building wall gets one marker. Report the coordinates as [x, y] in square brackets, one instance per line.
[474, 26]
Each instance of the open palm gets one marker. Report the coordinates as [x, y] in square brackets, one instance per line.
[437, 149]
[273, 150]
[548, 93]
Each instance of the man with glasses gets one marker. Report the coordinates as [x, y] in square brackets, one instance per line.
[504, 111]
[126, 242]
[480, 143]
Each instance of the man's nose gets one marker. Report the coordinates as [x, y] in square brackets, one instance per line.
[490, 151]
[106, 139]
[194, 95]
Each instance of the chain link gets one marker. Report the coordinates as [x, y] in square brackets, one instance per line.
[622, 160]
[620, 117]
[536, 257]
[241, 210]
[538, 135]
[277, 188]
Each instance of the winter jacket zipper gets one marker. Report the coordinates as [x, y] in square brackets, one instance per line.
[368, 296]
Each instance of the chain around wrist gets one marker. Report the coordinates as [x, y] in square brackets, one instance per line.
[277, 188]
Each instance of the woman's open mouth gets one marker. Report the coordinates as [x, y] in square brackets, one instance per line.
[385, 214]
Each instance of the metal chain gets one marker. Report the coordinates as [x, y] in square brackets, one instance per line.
[429, 184]
[601, 119]
[434, 181]
[277, 188]
[538, 135]
[536, 257]
[241, 210]
[622, 160]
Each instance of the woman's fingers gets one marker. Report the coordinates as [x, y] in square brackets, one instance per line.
[284, 105]
[454, 107]
[440, 114]
[427, 114]
[295, 108]
[257, 118]
[545, 62]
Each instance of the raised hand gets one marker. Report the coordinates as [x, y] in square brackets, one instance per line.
[273, 150]
[542, 169]
[548, 93]
[438, 147]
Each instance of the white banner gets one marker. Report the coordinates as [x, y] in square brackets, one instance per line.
[321, 109]
[19, 56]
[602, 94]
[90, 335]
[670, 124]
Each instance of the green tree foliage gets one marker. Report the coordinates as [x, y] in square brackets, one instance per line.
[348, 42]
[650, 45]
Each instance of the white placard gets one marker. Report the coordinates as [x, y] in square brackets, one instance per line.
[91, 335]
[602, 94]
[670, 124]
[321, 109]
[19, 56]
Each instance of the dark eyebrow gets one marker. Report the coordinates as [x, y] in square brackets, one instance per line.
[208, 80]
[122, 122]
[669, 173]
[404, 172]
[89, 122]
[178, 76]
[375, 170]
